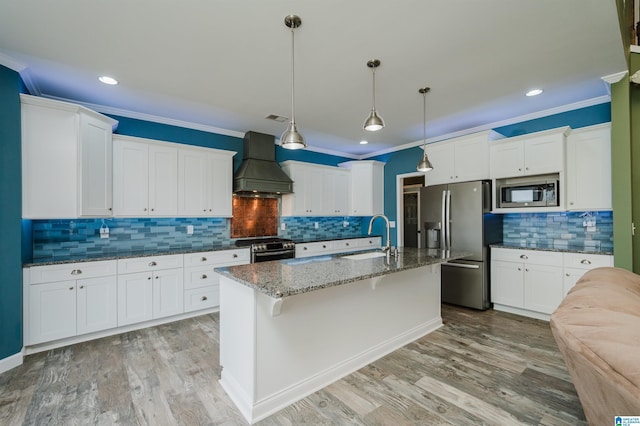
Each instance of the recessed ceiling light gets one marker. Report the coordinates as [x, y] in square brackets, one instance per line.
[533, 92]
[108, 80]
[364, 142]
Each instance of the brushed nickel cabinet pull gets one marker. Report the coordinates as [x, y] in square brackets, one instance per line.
[235, 255]
[203, 298]
[153, 264]
[81, 287]
[204, 277]
[71, 288]
[523, 256]
[585, 262]
[76, 272]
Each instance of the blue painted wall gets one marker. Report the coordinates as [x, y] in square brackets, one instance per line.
[405, 161]
[10, 215]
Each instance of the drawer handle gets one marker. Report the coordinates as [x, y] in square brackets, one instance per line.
[71, 288]
[153, 264]
[568, 274]
[347, 244]
[203, 259]
[203, 298]
[324, 246]
[204, 277]
[76, 272]
[304, 248]
[81, 287]
[235, 255]
[585, 262]
[523, 256]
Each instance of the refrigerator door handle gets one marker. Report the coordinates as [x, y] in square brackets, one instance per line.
[462, 265]
[448, 223]
[443, 226]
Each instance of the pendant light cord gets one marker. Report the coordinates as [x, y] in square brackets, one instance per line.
[424, 120]
[293, 102]
[373, 108]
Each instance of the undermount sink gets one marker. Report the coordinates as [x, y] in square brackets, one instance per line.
[369, 255]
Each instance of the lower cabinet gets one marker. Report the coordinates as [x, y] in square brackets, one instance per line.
[534, 282]
[60, 304]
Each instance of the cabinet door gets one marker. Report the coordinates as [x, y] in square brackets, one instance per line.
[193, 173]
[130, 178]
[507, 283]
[441, 156]
[221, 184]
[506, 159]
[336, 192]
[97, 304]
[52, 311]
[96, 167]
[544, 154]
[542, 288]
[163, 181]
[570, 278]
[589, 170]
[314, 192]
[134, 298]
[168, 293]
[471, 159]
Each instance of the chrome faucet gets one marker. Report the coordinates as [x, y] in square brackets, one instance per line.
[386, 248]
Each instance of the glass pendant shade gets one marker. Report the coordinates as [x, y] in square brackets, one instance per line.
[291, 138]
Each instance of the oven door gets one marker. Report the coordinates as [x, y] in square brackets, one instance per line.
[266, 256]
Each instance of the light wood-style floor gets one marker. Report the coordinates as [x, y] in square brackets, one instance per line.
[488, 368]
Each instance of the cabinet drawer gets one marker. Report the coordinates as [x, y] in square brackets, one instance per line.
[586, 261]
[218, 258]
[151, 263]
[540, 257]
[200, 276]
[71, 271]
[201, 298]
[312, 249]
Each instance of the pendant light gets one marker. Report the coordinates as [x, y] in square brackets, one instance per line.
[374, 121]
[291, 138]
[424, 165]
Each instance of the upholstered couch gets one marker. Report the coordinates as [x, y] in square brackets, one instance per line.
[597, 328]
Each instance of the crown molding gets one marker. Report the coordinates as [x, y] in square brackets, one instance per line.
[614, 78]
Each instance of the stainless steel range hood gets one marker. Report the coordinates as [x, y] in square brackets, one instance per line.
[259, 172]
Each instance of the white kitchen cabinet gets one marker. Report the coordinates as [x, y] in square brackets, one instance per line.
[205, 182]
[149, 288]
[66, 160]
[531, 154]
[589, 168]
[461, 159]
[145, 177]
[61, 304]
[345, 245]
[307, 198]
[336, 192]
[528, 282]
[366, 187]
[201, 282]
[576, 264]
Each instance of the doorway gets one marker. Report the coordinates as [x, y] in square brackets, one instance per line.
[410, 219]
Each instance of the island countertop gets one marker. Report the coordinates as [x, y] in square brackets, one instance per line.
[282, 278]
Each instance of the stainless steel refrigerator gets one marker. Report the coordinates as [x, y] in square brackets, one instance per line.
[457, 217]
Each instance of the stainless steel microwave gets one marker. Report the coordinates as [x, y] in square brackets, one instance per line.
[533, 191]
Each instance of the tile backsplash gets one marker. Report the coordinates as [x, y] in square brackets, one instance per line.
[304, 228]
[560, 230]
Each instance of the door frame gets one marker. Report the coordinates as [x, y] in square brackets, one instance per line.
[400, 206]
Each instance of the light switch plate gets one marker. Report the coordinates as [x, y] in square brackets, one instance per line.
[189, 229]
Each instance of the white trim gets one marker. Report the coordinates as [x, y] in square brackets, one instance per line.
[522, 312]
[614, 78]
[11, 63]
[634, 48]
[490, 126]
[12, 361]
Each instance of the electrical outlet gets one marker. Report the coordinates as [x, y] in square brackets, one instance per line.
[283, 226]
[345, 224]
[315, 225]
[104, 232]
[189, 229]
[392, 224]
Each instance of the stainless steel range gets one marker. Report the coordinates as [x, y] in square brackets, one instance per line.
[269, 248]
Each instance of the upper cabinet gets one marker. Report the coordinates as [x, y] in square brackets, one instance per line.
[145, 178]
[366, 187]
[589, 168]
[308, 189]
[336, 192]
[531, 154]
[461, 159]
[66, 160]
[205, 182]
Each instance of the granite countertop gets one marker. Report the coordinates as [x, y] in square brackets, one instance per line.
[564, 248]
[57, 260]
[288, 277]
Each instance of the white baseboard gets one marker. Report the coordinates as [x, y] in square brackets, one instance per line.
[523, 312]
[10, 362]
[259, 410]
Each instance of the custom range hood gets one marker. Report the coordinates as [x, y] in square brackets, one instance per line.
[259, 172]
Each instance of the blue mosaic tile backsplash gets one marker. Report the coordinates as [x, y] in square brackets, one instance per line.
[560, 230]
[81, 237]
[61, 238]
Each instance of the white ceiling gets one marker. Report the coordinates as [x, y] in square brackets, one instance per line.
[226, 63]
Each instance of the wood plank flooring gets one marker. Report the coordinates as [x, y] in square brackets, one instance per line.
[481, 368]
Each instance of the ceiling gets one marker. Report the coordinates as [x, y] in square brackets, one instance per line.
[226, 64]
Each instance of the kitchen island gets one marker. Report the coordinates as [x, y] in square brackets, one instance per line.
[291, 327]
